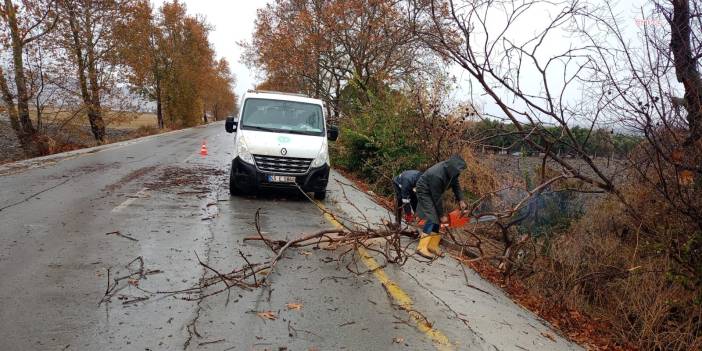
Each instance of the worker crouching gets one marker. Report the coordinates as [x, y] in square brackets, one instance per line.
[405, 195]
[430, 188]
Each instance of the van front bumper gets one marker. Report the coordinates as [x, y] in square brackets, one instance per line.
[249, 179]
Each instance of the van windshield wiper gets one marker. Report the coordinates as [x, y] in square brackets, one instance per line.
[303, 132]
[263, 129]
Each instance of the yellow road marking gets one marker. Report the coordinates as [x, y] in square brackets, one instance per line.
[441, 341]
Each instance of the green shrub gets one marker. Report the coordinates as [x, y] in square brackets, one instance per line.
[378, 138]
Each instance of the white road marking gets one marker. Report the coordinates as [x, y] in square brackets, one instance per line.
[139, 195]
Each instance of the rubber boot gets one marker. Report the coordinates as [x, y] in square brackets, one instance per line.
[434, 244]
[422, 247]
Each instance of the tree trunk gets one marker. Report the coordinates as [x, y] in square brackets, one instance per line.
[92, 102]
[8, 99]
[159, 107]
[159, 110]
[20, 81]
[97, 124]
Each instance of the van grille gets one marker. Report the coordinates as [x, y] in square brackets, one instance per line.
[291, 165]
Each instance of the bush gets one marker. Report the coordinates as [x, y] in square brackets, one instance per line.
[379, 140]
[607, 268]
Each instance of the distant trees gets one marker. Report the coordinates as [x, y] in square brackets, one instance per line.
[601, 142]
[145, 57]
[220, 102]
[173, 65]
[92, 54]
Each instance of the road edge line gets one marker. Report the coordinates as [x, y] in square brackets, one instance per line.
[440, 340]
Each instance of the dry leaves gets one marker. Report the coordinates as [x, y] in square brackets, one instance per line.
[270, 315]
[398, 340]
[549, 335]
[294, 306]
[686, 178]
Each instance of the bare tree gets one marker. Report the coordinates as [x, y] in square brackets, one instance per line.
[579, 66]
[654, 88]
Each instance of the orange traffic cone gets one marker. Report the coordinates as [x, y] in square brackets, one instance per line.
[203, 149]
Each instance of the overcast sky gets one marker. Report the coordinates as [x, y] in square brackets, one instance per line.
[232, 21]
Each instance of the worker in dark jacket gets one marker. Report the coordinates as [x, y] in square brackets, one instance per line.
[430, 188]
[405, 195]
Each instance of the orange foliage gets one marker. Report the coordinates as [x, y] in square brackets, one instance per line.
[316, 47]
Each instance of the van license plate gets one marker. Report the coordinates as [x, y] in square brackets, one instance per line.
[280, 179]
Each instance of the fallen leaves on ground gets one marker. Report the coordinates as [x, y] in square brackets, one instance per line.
[270, 315]
[294, 306]
[398, 340]
[549, 336]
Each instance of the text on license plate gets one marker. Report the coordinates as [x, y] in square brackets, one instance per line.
[280, 179]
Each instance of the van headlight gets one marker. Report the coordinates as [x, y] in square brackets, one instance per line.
[243, 151]
[322, 158]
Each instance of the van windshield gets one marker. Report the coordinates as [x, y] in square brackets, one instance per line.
[282, 116]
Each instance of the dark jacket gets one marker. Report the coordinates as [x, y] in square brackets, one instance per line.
[406, 181]
[432, 185]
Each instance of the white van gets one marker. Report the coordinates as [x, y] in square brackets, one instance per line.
[280, 141]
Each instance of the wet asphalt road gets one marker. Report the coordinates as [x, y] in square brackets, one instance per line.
[66, 221]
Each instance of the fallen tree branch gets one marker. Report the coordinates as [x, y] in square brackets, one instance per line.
[118, 233]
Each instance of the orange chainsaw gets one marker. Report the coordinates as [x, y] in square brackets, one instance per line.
[457, 219]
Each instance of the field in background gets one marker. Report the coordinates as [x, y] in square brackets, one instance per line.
[146, 119]
[70, 131]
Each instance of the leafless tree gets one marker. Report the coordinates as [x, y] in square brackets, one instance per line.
[572, 63]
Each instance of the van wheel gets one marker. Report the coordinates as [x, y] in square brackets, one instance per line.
[320, 195]
[233, 190]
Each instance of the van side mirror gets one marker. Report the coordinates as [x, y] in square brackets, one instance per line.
[230, 125]
[332, 133]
